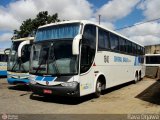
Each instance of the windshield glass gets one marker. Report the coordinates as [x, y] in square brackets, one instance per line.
[60, 32]
[14, 63]
[53, 58]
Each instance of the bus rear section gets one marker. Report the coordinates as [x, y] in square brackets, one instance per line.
[18, 62]
[3, 64]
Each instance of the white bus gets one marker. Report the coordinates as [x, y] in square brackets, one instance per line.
[152, 60]
[77, 58]
[152, 63]
[18, 61]
[3, 64]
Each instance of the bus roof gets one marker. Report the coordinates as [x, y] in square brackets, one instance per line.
[23, 39]
[88, 22]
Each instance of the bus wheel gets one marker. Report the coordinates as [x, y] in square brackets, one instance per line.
[98, 89]
[139, 76]
[136, 78]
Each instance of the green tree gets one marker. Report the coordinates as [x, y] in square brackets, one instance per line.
[30, 26]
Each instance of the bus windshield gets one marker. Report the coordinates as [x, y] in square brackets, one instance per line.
[53, 58]
[22, 64]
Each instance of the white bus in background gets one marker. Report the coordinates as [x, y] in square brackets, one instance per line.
[152, 60]
[77, 58]
[152, 63]
[18, 61]
[3, 64]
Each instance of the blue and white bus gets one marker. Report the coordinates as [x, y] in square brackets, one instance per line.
[77, 58]
[3, 64]
[18, 61]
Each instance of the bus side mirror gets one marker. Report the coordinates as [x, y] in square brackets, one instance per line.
[75, 44]
[21, 46]
[7, 51]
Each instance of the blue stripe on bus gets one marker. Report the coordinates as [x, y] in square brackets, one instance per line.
[49, 79]
[39, 78]
[16, 81]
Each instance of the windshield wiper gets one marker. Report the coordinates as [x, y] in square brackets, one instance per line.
[18, 62]
[39, 67]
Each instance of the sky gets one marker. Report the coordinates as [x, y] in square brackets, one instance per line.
[114, 14]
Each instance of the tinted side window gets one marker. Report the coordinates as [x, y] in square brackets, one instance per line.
[88, 48]
[103, 39]
[134, 48]
[122, 45]
[143, 49]
[129, 47]
[89, 36]
[138, 50]
[114, 42]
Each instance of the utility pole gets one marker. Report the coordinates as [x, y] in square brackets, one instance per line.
[99, 19]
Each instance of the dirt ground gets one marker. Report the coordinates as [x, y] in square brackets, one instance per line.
[140, 98]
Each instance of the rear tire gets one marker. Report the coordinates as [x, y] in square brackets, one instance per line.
[97, 93]
[136, 78]
[139, 76]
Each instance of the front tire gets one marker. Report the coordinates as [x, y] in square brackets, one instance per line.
[97, 93]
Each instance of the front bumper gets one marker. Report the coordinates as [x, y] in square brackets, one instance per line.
[56, 90]
[15, 81]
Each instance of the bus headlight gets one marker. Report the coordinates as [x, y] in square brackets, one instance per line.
[32, 79]
[69, 84]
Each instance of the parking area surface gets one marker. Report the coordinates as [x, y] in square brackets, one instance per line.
[143, 97]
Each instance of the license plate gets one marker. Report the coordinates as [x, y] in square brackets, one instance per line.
[47, 91]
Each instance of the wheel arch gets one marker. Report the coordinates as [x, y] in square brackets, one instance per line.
[102, 78]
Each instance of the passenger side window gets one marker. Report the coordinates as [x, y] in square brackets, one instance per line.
[129, 47]
[138, 50]
[114, 42]
[143, 51]
[134, 48]
[122, 44]
[103, 39]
